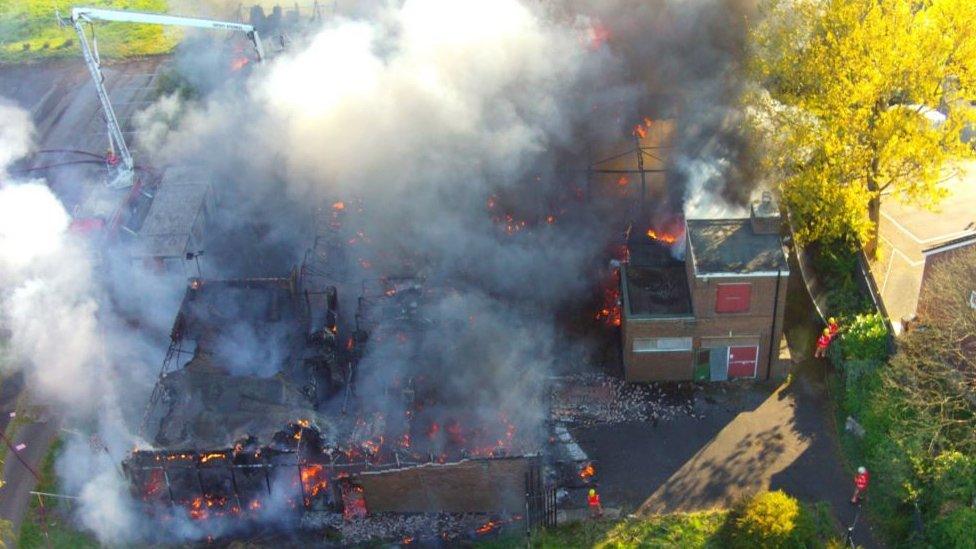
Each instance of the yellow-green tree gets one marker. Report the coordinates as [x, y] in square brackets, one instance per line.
[862, 99]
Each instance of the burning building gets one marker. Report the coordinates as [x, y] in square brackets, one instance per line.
[717, 313]
[268, 409]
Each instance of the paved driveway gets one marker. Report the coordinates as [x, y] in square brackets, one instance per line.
[750, 438]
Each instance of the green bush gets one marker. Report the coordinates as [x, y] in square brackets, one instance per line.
[865, 338]
[954, 477]
[956, 529]
[772, 520]
[836, 262]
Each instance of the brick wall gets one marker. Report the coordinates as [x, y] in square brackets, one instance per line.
[659, 366]
[476, 485]
[745, 328]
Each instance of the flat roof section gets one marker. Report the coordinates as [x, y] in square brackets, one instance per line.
[730, 246]
[174, 214]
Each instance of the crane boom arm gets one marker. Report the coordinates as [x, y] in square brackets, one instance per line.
[95, 14]
[79, 16]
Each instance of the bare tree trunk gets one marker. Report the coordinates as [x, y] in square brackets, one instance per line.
[874, 214]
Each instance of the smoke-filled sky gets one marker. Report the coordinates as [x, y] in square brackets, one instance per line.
[440, 117]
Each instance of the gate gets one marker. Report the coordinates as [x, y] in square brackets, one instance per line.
[540, 499]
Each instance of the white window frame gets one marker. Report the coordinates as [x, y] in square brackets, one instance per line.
[654, 344]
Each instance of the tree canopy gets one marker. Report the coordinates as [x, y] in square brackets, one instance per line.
[862, 99]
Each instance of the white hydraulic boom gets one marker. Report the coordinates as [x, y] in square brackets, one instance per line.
[79, 16]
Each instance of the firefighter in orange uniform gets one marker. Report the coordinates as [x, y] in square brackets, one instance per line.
[822, 343]
[593, 499]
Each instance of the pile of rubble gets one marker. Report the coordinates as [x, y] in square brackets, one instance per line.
[591, 399]
[406, 529]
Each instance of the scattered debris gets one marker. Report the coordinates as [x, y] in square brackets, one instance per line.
[591, 399]
[417, 527]
[853, 427]
[570, 447]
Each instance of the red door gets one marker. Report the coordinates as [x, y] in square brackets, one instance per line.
[742, 361]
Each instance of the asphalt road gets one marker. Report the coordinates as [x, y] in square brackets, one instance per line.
[15, 494]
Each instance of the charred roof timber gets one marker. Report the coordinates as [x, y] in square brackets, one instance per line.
[654, 282]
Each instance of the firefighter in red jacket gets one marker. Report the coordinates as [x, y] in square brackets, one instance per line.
[593, 499]
[822, 343]
[861, 480]
[833, 326]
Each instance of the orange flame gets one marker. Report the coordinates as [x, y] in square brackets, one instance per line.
[239, 63]
[197, 512]
[338, 206]
[663, 237]
[609, 312]
[587, 472]
[314, 481]
[486, 527]
[623, 181]
[640, 131]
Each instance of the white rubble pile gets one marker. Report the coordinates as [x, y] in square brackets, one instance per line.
[591, 399]
[394, 527]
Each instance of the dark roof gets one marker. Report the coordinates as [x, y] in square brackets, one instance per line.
[730, 246]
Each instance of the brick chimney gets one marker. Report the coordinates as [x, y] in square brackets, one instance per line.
[765, 215]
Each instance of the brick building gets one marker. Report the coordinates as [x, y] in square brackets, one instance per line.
[717, 313]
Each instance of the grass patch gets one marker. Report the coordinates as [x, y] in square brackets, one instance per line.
[686, 530]
[702, 530]
[60, 531]
[29, 31]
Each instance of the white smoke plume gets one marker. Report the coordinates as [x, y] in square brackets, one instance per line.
[46, 283]
[59, 327]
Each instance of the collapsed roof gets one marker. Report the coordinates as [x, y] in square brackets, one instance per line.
[255, 366]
